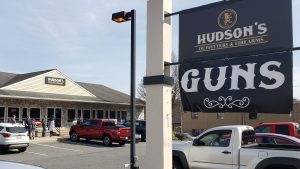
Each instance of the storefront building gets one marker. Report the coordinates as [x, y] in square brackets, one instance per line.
[53, 94]
[199, 121]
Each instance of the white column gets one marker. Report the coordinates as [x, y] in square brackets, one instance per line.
[158, 98]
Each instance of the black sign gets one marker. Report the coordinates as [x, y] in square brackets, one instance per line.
[217, 77]
[239, 27]
[55, 81]
[256, 84]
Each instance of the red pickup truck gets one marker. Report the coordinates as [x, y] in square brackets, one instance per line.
[285, 128]
[100, 129]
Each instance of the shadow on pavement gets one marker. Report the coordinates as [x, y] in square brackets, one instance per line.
[5, 152]
[89, 143]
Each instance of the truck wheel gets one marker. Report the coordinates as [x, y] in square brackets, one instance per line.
[107, 140]
[74, 136]
[22, 149]
[177, 164]
[122, 143]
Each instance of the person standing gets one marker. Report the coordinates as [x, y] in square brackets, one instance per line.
[51, 126]
[44, 125]
[28, 126]
[33, 129]
[12, 119]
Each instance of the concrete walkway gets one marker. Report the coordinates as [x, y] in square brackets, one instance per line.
[64, 133]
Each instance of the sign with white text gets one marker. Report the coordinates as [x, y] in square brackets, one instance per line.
[217, 77]
[55, 81]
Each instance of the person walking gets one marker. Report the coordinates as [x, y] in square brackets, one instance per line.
[44, 125]
[33, 129]
[51, 126]
[28, 126]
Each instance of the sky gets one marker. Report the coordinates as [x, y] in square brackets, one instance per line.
[78, 38]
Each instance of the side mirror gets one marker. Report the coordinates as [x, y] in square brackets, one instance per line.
[197, 142]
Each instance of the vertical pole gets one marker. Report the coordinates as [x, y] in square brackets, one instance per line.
[158, 98]
[132, 92]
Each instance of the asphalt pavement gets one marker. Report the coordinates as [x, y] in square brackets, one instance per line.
[60, 153]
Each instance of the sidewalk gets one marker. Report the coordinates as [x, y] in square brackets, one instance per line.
[64, 133]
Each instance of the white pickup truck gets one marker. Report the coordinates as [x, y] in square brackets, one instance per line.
[233, 147]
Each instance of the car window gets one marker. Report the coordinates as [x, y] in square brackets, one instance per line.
[86, 123]
[283, 141]
[127, 124]
[282, 129]
[108, 124]
[297, 128]
[217, 138]
[16, 129]
[263, 129]
[95, 123]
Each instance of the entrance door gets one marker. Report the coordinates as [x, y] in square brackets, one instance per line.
[55, 113]
[58, 118]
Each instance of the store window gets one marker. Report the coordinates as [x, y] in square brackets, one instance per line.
[86, 114]
[2, 110]
[106, 114]
[24, 113]
[252, 115]
[51, 113]
[35, 113]
[123, 115]
[79, 114]
[194, 115]
[14, 111]
[112, 115]
[71, 115]
[100, 114]
[220, 115]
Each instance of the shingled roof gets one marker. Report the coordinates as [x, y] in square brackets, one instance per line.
[14, 78]
[103, 94]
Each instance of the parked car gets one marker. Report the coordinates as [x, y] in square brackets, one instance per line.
[285, 128]
[271, 138]
[140, 127]
[14, 165]
[233, 147]
[100, 129]
[13, 136]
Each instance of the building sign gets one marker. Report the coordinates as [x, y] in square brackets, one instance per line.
[217, 77]
[55, 81]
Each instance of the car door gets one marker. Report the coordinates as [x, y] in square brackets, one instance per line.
[83, 130]
[94, 129]
[213, 150]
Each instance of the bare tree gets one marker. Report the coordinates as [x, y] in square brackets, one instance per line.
[175, 89]
[141, 91]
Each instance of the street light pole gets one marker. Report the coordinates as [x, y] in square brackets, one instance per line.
[123, 17]
[133, 157]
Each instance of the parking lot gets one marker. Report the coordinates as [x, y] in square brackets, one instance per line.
[60, 153]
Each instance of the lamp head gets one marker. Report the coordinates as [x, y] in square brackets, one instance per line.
[121, 16]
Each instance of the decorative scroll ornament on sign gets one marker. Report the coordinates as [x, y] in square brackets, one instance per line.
[222, 102]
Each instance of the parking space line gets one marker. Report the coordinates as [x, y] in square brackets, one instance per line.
[36, 153]
[57, 147]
